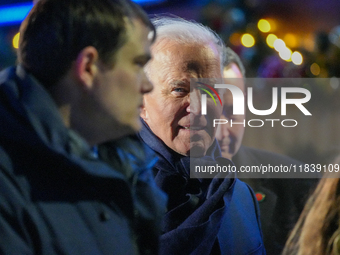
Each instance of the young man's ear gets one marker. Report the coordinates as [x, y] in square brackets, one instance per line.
[86, 66]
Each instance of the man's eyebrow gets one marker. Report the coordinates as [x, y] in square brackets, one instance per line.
[179, 83]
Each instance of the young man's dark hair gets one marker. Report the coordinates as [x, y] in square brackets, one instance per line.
[55, 31]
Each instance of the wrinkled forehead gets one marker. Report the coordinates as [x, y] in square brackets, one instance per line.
[188, 49]
[202, 60]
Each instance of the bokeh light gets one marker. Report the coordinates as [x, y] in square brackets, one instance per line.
[247, 40]
[309, 42]
[290, 40]
[297, 58]
[235, 39]
[334, 82]
[271, 38]
[264, 26]
[279, 45]
[15, 41]
[273, 24]
[285, 54]
[315, 69]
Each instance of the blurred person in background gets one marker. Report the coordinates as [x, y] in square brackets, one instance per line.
[318, 230]
[80, 82]
[281, 200]
[205, 216]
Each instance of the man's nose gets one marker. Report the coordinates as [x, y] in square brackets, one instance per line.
[195, 103]
[225, 128]
[222, 130]
[146, 84]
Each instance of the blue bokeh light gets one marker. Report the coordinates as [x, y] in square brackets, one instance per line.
[12, 14]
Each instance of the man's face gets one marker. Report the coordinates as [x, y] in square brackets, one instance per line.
[119, 91]
[230, 138]
[168, 110]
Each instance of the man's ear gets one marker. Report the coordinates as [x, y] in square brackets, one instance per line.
[86, 66]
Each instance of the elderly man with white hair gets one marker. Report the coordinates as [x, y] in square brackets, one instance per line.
[204, 216]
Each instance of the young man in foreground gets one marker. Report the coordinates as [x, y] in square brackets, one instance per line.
[79, 82]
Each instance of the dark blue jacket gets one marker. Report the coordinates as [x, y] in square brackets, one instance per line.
[283, 199]
[205, 216]
[56, 197]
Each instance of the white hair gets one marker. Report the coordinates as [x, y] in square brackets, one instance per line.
[232, 57]
[187, 32]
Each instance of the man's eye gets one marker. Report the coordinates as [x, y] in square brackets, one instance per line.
[229, 115]
[179, 90]
[228, 112]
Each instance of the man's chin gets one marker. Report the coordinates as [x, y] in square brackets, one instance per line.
[199, 145]
[197, 151]
[192, 149]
